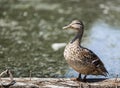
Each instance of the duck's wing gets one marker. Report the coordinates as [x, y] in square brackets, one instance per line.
[92, 59]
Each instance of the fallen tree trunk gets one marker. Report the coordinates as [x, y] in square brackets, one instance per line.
[59, 83]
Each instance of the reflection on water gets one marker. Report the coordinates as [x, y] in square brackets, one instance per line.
[104, 41]
[32, 39]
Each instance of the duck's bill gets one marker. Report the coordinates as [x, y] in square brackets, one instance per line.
[68, 26]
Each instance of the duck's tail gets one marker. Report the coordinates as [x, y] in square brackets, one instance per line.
[103, 71]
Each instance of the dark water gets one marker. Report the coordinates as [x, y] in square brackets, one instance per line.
[32, 39]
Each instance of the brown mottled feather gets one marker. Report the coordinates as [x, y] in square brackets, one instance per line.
[82, 59]
[94, 60]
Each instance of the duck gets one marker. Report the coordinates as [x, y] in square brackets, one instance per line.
[82, 59]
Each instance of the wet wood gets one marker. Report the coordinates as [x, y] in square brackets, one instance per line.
[59, 83]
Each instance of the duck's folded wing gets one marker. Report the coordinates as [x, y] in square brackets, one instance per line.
[93, 59]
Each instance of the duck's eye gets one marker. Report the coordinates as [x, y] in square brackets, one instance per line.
[78, 23]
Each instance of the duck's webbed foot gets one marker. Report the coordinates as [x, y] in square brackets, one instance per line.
[84, 78]
[77, 79]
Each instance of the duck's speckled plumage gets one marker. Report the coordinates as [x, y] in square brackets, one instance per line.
[82, 59]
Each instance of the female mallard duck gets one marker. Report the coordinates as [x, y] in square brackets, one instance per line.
[82, 59]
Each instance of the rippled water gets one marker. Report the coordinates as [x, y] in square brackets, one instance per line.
[32, 39]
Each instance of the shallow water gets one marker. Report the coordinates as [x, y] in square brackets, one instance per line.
[32, 39]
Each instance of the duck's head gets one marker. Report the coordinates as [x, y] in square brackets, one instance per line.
[76, 24]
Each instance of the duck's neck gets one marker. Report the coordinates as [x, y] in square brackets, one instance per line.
[78, 37]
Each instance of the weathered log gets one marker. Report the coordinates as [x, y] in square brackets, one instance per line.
[60, 83]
